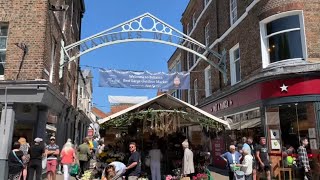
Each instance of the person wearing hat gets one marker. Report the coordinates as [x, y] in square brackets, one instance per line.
[52, 152]
[36, 152]
[187, 162]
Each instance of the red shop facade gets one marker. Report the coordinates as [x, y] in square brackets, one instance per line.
[282, 110]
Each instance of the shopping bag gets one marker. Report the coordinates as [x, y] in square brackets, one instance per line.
[239, 175]
[74, 170]
[44, 163]
[148, 161]
[185, 178]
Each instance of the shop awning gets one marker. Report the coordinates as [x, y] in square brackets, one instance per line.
[166, 102]
[246, 124]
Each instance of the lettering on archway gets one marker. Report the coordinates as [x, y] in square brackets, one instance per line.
[144, 28]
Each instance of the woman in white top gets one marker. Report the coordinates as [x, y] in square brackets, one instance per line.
[155, 162]
[246, 165]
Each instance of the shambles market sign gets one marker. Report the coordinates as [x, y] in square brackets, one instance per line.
[143, 80]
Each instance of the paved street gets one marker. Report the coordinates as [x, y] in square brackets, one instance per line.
[217, 175]
[60, 177]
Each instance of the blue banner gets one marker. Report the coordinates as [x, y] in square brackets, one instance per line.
[144, 80]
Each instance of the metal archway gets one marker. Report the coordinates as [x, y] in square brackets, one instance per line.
[144, 28]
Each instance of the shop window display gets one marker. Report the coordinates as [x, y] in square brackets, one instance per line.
[287, 124]
[244, 124]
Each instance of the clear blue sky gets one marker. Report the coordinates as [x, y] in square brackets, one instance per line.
[103, 14]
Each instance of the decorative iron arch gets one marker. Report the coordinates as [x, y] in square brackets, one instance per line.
[139, 29]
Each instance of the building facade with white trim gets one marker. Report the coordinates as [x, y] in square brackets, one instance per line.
[272, 65]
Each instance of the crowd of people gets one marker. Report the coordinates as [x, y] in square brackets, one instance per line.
[252, 161]
[26, 161]
[244, 159]
[132, 170]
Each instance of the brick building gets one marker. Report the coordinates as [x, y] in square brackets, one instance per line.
[272, 66]
[38, 94]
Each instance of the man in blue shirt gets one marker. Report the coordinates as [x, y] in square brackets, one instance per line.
[231, 158]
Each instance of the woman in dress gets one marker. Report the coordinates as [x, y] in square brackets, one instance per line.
[68, 157]
[15, 162]
[24, 147]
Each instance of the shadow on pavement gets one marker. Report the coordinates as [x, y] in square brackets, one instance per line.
[223, 172]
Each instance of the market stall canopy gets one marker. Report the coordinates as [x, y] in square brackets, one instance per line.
[252, 123]
[167, 104]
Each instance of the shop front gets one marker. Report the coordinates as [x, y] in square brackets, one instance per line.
[283, 110]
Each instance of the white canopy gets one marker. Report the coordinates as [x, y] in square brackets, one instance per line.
[164, 102]
[127, 99]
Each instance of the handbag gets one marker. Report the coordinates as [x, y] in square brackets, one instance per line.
[148, 161]
[74, 170]
[239, 175]
[185, 178]
[44, 162]
[19, 160]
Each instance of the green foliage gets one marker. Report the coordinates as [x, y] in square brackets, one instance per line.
[128, 119]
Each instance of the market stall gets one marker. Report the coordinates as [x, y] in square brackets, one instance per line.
[165, 120]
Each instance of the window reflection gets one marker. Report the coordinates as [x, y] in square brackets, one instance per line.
[284, 39]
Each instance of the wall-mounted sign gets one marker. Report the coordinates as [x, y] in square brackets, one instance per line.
[222, 105]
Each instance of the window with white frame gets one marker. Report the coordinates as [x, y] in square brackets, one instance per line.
[188, 28]
[205, 2]
[208, 81]
[207, 35]
[233, 11]
[235, 65]
[189, 57]
[53, 58]
[194, 59]
[194, 19]
[283, 38]
[195, 90]
[3, 45]
[178, 66]
[81, 93]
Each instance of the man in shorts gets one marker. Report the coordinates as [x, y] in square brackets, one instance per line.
[52, 152]
[263, 163]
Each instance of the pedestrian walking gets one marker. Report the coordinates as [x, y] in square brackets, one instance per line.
[231, 158]
[15, 162]
[52, 152]
[95, 147]
[263, 159]
[246, 165]
[187, 162]
[24, 147]
[68, 158]
[36, 151]
[252, 151]
[84, 155]
[304, 160]
[101, 147]
[133, 169]
[155, 162]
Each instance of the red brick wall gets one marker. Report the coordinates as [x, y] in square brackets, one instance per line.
[32, 23]
[27, 24]
[247, 34]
